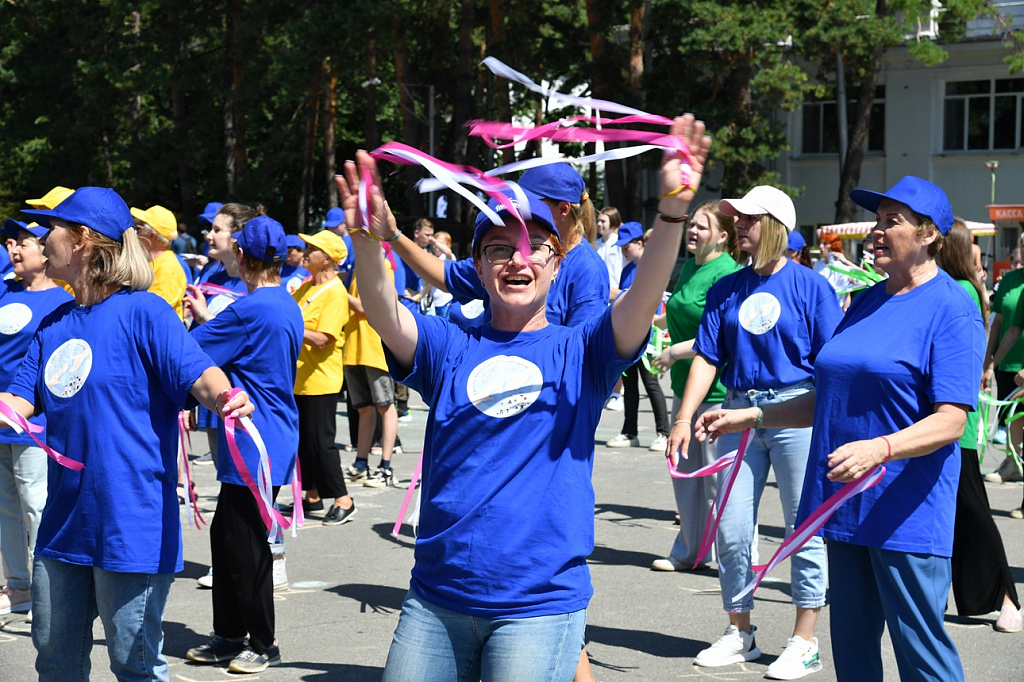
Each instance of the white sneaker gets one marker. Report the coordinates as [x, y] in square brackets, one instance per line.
[15, 601]
[207, 580]
[659, 443]
[799, 659]
[667, 564]
[614, 403]
[735, 646]
[280, 574]
[1006, 472]
[623, 441]
[1017, 513]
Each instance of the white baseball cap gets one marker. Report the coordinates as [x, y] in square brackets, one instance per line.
[760, 200]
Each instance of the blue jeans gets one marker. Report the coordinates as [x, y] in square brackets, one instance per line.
[67, 598]
[22, 498]
[432, 644]
[786, 451]
[907, 592]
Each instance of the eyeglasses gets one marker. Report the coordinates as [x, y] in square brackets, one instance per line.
[499, 254]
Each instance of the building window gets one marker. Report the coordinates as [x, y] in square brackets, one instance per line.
[821, 127]
[983, 115]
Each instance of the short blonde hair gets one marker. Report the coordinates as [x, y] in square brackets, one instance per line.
[123, 263]
[774, 240]
[157, 237]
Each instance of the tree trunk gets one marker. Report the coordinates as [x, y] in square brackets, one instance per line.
[233, 10]
[135, 104]
[462, 107]
[308, 153]
[738, 173]
[501, 93]
[410, 126]
[849, 177]
[634, 182]
[179, 112]
[614, 171]
[372, 137]
[330, 104]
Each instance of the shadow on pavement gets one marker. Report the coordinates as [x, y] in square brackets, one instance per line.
[376, 598]
[632, 512]
[650, 643]
[335, 671]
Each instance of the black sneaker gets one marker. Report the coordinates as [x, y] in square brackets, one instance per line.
[217, 650]
[354, 473]
[337, 516]
[307, 508]
[380, 478]
[251, 662]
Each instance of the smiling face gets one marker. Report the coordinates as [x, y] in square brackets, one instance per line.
[897, 243]
[220, 237]
[518, 289]
[62, 251]
[26, 254]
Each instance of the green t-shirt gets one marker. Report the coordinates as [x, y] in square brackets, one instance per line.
[683, 312]
[969, 441]
[1005, 303]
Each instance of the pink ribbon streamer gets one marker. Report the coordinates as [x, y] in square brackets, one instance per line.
[454, 176]
[22, 425]
[260, 486]
[298, 515]
[408, 497]
[708, 470]
[217, 290]
[810, 527]
[191, 502]
[721, 498]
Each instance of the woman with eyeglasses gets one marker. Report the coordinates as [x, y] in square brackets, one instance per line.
[500, 583]
[762, 327]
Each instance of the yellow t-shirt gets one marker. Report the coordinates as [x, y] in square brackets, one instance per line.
[325, 310]
[362, 344]
[168, 280]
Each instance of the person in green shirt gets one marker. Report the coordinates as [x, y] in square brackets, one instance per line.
[1004, 357]
[982, 581]
[711, 239]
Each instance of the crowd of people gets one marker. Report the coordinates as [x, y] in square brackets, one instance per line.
[113, 310]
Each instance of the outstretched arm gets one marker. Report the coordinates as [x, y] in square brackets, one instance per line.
[388, 317]
[633, 311]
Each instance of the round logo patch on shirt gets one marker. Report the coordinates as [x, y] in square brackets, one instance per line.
[68, 368]
[292, 284]
[473, 309]
[504, 385]
[14, 317]
[760, 313]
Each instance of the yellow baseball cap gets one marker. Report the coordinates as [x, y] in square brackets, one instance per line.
[329, 243]
[160, 219]
[50, 200]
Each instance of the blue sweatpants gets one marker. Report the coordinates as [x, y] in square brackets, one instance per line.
[873, 588]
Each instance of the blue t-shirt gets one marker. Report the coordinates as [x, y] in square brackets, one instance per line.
[190, 272]
[627, 276]
[256, 342]
[508, 506]
[111, 378]
[765, 332]
[467, 315]
[215, 273]
[292, 277]
[21, 312]
[579, 293]
[891, 360]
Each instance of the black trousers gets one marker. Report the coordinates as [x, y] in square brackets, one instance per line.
[631, 398]
[981, 575]
[318, 453]
[243, 584]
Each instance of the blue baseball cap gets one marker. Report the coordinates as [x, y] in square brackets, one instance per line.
[210, 212]
[335, 217]
[101, 209]
[536, 210]
[263, 238]
[629, 231]
[294, 241]
[920, 195]
[557, 181]
[796, 241]
[12, 227]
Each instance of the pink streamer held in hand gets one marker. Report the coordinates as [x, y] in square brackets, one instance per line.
[721, 498]
[810, 527]
[454, 176]
[259, 485]
[708, 470]
[20, 424]
[191, 502]
[217, 290]
[408, 497]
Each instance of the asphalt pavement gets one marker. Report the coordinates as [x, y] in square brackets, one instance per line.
[347, 583]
